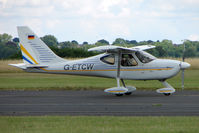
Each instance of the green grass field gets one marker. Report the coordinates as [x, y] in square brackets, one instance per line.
[98, 124]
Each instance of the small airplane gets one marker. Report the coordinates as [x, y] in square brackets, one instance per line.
[116, 62]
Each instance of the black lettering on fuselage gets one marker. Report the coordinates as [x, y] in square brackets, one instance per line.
[83, 66]
[66, 67]
[79, 67]
[90, 66]
[74, 67]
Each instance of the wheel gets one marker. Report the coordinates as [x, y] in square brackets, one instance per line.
[119, 95]
[128, 93]
[167, 94]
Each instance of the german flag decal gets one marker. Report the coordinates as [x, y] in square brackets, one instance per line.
[30, 37]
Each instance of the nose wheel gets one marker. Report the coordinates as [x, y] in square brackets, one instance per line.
[167, 91]
[128, 93]
[119, 95]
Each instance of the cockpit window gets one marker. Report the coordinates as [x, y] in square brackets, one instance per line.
[128, 60]
[144, 57]
[109, 59]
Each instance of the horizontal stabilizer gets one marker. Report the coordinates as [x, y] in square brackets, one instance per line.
[25, 66]
[21, 65]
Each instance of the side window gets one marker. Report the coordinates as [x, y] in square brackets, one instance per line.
[108, 59]
[128, 60]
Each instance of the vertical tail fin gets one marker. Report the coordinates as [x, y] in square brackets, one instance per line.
[34, 50]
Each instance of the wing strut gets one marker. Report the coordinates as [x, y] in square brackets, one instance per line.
[118, 69]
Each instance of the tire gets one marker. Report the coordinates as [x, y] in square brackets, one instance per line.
[128, 93]
[167, 94]
[119, 95]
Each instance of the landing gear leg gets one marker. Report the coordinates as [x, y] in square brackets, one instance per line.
[118, 85]
[127, 93]
[123, 83]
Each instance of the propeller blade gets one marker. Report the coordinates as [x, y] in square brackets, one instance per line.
[183, 54]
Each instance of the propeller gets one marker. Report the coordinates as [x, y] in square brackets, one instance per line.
[183, 59]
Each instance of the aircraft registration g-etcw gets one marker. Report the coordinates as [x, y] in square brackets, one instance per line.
[115, 62]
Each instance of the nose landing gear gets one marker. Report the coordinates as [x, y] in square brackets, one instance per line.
[168, 90]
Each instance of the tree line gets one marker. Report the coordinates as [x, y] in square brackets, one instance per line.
[9, 48]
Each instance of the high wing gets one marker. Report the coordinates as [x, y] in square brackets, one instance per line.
[143, 47]
[111, 48]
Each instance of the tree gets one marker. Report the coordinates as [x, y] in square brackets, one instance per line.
[161, 51]
[6, 51]
[74, 42]
[7, 47]
[11, 44]
[85, 43]
[120, 41]
[190, 52]
[103, 41]
[65, 44]
[133, 42]
[4, 38]
[50, 40]
[149, 41]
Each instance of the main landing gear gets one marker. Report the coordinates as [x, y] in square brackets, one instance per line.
[121, 90]
[119, 95]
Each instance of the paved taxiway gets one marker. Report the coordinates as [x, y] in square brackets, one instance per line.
[141, 103]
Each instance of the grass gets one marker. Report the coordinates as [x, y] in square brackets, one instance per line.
[94, 124]
[5, 68]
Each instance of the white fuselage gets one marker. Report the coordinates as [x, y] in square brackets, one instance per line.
[158, 69]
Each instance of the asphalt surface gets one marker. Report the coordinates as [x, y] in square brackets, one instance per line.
[140, 103]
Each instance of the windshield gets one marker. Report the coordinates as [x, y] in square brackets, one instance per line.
[144, 57]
